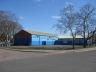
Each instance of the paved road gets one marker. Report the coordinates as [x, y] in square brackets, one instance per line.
[67, 62]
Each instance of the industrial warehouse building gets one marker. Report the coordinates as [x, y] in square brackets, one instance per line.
[68, 40]
[26, 37]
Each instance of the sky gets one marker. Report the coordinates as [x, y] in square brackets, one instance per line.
[39, 15]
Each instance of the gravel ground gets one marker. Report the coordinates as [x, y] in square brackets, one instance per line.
[75, 61]
[8, 54]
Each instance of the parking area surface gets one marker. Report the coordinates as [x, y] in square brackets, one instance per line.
[10, 54]
[72, 61]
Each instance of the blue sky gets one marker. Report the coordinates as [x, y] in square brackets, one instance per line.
[39, 15]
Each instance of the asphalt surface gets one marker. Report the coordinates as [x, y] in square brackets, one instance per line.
[65, 62]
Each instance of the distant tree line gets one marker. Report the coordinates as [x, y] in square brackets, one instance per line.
[8, 27]
[78, 22]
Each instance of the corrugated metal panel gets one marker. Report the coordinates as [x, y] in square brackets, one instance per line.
[68, 41]
[22, 41]
[39, 33]
[68, 36]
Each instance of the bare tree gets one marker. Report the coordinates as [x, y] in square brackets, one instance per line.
[67, 22]
[8, 27]
[87, 22]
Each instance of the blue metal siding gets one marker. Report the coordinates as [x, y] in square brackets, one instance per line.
[35, 40]
[68, 41]
[22, 41]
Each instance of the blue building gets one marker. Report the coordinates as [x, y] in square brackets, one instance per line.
[26, 37]
[68, 40]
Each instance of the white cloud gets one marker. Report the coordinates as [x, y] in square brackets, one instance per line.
[69, 3]
[56, 17]
[21, 17]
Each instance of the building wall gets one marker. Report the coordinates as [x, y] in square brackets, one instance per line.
[68, 41]
[41, 40]
[22, 38]
[25, 38]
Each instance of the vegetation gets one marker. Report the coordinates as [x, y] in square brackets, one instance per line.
[82, 22]
[8, 27]
[87, 22]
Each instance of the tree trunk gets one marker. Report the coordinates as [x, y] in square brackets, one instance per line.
[73, 43]
[84, 35]
[92, 41]
[84, 43]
